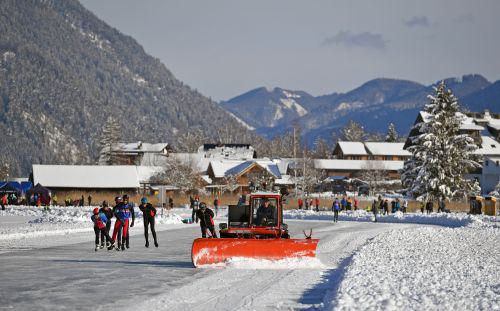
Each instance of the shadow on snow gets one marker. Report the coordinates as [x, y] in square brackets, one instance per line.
[154, 263]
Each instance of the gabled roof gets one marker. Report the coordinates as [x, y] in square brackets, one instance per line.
[352, 148]
[86, 176]
[220, 167]
[271, 167]
[489, 147]
[386, 149]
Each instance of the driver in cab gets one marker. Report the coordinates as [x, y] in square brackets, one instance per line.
[266, 214]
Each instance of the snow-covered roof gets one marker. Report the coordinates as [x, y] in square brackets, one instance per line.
[358, 165]
[225, 167]
[489, 146]
[265, 164]
[153, 159]
[206, 179]
[86, 176]
[385, 148]
[220, 167]
[195, 160]
[495, 124]
[352, 148]
[467, 124]
[144, 173]
[141, 147]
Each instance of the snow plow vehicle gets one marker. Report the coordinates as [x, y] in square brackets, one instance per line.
[253, 231]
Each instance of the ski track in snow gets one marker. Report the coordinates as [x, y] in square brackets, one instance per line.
[451, 263]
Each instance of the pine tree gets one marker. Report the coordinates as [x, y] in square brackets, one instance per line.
[392, 135]
[353, 132]
[109, 141]
[441, 156]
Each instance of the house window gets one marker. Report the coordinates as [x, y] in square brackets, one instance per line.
[388, 158]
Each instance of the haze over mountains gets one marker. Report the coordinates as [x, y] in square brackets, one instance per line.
[374, 104]
[63, 72]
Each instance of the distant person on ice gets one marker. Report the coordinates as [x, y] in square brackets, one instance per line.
[375, 205]
[336, 209]
[100, 220]
[148, 214]
[206, 218]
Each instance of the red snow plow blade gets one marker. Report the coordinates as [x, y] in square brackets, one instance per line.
[213, 251]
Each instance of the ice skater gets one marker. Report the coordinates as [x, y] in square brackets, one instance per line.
[206, 218]
[126, 238]
[336, 209]
[122, 214]
[148, 214]
[99, 220]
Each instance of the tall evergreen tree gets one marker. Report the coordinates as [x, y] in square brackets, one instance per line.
[441, 156]
[392, 135]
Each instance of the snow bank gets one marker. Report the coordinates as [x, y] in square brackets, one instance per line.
[425, 268]
[439, 219]
[61, 220]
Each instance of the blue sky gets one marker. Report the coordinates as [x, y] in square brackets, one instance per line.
[225, 47]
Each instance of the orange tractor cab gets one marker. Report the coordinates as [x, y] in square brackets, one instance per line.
[253, 231]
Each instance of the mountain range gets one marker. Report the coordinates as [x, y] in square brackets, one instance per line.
[64, 72]
[374, 104]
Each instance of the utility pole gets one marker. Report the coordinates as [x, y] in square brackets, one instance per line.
[295, 160]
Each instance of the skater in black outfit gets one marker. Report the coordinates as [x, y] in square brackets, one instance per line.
[206, 218]
[148, 214]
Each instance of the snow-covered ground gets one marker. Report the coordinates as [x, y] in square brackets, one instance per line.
[405, 261]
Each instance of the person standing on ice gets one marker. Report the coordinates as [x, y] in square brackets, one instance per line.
[336, 209]
[196, 206]
[343, 203]
[300, 203]
[206, 218]
[4, 201]
[99, 220]
[216, 205]
[130, 205]
[109, 214]
[316, 202]
[122, 214]
[429, 207]
[148, 214]
[386, 207]
[375, 210]
[89, 198]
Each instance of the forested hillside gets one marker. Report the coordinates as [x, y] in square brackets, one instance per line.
[63, 72]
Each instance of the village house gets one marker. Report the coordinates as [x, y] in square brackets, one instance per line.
[138, 153]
